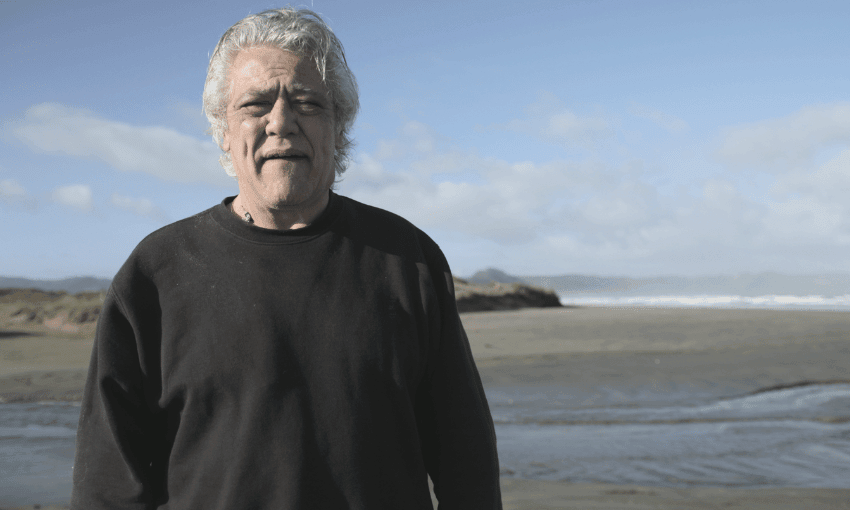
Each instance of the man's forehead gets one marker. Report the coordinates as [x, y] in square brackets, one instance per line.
[262, 60]
[262, 69]
[273, 87]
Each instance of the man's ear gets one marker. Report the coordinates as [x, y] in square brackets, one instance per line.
[338, 140]
[225, 141]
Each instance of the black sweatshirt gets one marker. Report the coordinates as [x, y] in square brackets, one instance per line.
[236, 367]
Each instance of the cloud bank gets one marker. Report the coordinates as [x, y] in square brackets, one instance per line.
[588, 214]
[779, 144]
[600, 213]
[157, 151]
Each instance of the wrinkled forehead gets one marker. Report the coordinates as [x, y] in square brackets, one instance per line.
[267, 61]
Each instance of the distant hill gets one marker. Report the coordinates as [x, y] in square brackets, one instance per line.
[62, 306]
[747, 284]
[69, 285]
[492, 275]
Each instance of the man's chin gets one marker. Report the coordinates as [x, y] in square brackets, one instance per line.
[285, 165]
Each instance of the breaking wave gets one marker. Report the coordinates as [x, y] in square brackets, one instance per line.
[812, 302]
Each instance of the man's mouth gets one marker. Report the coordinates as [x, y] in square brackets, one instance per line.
[287, 155]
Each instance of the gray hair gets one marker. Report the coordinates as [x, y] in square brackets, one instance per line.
[304, 33]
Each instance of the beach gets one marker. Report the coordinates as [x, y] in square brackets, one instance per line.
[582, 349]
[586, 353]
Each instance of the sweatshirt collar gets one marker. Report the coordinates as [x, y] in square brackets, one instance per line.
[230, 222]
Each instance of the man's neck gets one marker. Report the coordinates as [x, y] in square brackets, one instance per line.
[281, 218]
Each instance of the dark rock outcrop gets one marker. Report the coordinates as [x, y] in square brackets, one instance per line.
[498, 296]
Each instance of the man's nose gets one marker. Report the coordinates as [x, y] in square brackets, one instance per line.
[281, 119]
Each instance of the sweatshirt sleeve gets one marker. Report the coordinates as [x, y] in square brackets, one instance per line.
[458, 437]
[116, 449]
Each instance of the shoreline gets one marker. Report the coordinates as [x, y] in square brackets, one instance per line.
[568, 346]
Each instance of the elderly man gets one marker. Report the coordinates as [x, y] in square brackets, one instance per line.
[289, 348]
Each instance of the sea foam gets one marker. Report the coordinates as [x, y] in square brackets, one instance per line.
[812, 302]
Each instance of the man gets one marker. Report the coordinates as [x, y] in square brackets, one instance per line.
[289, 348]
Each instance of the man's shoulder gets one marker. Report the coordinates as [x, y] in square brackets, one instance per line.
[387, 230]
[160, 246]
[380, 221]
[179, 231]
[370, 215]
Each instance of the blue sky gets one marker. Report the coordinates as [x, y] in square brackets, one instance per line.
[602, 137]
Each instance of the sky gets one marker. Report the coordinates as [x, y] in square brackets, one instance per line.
[634, 138]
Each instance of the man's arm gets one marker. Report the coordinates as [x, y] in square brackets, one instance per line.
[113, 468]
[458, 437]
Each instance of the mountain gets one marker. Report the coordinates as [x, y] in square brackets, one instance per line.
[69, 285]
[492, 275]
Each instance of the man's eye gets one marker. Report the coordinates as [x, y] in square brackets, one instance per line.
[307, 106]
[256, 107]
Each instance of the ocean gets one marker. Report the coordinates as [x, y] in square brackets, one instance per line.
[769, 301]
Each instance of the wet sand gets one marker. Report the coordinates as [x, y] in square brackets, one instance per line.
[42, 365]
[588, 347]
[746, 350]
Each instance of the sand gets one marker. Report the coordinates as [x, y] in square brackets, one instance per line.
[749, 349]
[574, 347]
[645, 329]
[38, 365]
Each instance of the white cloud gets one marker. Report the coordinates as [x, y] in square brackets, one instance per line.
[486, 198]
[630, 203]
[77, 196]
[830, 182]
[787, 142]
[11, 192]
[550, 121]
[490, 199]
[803, 211]
[568, 128]
[669, 122]
[810, 205]
[140, 206]
[414, 138]
[158, 151]
[805, 219]
[575, 216]
[10, 189]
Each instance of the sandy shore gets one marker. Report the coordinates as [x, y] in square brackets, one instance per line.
[646, 329]
[42, 365]
[752, 349]
[574, 347]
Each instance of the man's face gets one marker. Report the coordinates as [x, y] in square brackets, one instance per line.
[281, 131]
